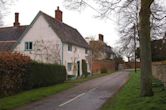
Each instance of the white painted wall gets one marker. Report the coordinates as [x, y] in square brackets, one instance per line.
[42, 33]
[77, 54]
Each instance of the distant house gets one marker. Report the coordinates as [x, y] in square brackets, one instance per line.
[100, 50]
[158, 48]
[47, 40]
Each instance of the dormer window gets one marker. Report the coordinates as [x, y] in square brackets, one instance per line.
[28, 46]
[69, 47]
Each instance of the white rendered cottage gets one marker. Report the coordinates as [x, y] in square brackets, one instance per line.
[47, 40]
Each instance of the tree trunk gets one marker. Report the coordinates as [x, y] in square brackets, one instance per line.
[145, 40]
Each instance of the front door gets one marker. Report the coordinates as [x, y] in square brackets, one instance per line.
[78, 68]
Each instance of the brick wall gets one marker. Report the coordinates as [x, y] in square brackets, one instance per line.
[131, 65]
[97, 65]
[159, 71]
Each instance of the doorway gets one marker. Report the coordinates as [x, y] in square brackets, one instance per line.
[78, 68]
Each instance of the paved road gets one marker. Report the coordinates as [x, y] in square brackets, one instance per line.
[86, 96]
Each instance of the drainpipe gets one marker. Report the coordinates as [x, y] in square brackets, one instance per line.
[62, 55]
[63, 59]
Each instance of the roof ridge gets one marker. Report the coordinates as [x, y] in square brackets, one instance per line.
[57, 20]
[66, 33]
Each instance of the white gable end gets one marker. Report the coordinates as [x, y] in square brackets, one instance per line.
[46, 45]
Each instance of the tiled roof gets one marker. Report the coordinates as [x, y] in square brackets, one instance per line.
[105, 48]
[108, 49]
[11, 33]
[9, 36]
[66, 33]
[6, 46]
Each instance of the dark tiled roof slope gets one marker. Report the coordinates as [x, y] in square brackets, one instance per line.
[105, 48]
[108, 49]
[66, 33]
[11, 33]
[6, 46]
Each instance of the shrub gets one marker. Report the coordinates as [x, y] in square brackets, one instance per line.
[84, 68]
[71, 77]
[13, 67]
[45, 75]
[18, 73]
[103, 70]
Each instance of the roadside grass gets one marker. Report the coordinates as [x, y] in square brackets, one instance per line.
[128, 98]
[11, 102]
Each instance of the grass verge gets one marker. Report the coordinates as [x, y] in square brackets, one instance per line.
[26, 97]
[128, 98]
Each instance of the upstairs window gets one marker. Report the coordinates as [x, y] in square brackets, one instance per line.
[28, 46]
[86, 51]
[69, 47]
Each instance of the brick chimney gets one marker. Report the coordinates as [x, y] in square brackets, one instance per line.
[16, 23]
[58, 14]
[101, 37]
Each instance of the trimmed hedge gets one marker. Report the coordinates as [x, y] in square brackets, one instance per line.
[19, 73]
[103, 70]
[84, 68]
[45, 75]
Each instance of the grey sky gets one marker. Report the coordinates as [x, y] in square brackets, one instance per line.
[84, 21]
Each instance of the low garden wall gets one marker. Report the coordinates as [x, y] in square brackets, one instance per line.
[19, 73]
[131, 65]
[103, 65]
[159, 71]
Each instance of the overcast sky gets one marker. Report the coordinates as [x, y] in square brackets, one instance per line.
[84, 21]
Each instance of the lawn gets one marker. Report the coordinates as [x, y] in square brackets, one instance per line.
[129, 97]
[26, 97]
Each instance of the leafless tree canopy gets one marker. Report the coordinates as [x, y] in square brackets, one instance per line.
[4, 6]
[158, 20]
[128, 12]
[148, 17]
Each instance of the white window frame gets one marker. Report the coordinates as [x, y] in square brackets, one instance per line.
[70, 47]
[86, 51]
[69, 67]
[28, 46]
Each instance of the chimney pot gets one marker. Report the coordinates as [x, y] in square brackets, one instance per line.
[58, 14]
[101, 37]
[16, 23]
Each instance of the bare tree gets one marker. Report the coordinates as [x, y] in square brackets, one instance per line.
[129, 25]
[46, 51]
[144, 31]
[128, 28]
[97, 48]
[4, 6]
[145, 48]
[158, 20]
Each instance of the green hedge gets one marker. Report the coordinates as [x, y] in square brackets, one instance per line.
[84, 68]
[19, 73]
[45, 75]
[103, 70]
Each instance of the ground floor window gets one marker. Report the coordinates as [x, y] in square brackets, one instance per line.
[69, 66]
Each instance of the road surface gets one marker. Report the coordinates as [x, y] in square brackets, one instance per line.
[89, 95]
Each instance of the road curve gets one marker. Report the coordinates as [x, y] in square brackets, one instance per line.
[89, 95]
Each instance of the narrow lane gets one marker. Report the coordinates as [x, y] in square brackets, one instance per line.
[86, 96]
